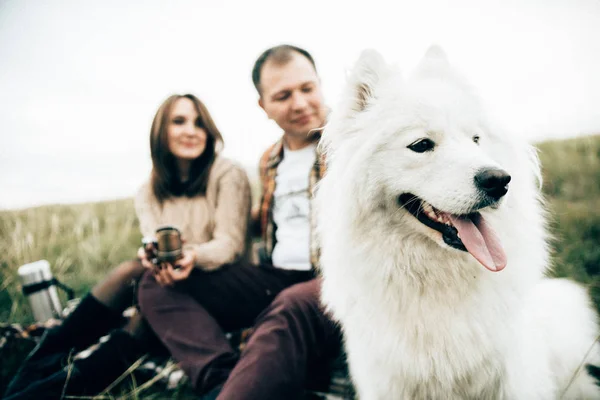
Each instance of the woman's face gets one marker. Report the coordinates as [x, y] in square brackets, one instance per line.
[186, 137]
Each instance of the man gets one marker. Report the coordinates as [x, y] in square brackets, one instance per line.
[292, 337]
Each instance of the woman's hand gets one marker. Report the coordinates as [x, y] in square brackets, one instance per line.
[168, 274]
[142, 255]
[162, 275]
[184, 266]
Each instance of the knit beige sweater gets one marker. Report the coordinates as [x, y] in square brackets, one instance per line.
[214, 225]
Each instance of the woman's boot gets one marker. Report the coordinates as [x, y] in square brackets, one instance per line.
[87, 376]
[84, 326]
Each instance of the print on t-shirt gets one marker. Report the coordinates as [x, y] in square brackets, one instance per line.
[291, 208]
[292, 205]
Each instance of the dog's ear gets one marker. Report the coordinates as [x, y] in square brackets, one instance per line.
[434, 63]
[435, 52]
[367, 73]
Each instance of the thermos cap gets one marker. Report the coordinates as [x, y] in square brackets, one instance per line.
[40, 269]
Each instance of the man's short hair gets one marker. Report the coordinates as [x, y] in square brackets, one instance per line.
[281, 55]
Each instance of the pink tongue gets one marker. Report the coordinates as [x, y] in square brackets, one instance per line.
[480, 240]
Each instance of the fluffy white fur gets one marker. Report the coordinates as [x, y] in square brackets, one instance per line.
[423, 320]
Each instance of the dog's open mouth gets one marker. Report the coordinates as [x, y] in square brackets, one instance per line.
[468, 232]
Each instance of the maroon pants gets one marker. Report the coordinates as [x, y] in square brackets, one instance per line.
[293, 338]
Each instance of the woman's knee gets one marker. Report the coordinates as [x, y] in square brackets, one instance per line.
[149, 290]
[114, 288]
[131, 269]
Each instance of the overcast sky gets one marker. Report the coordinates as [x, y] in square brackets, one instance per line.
[80, 80]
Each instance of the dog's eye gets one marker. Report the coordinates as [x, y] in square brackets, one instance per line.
[476, 139]
[422, 145]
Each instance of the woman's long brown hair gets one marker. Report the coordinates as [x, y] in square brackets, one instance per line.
[165, 180]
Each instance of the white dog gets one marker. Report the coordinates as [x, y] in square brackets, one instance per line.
[434, 248]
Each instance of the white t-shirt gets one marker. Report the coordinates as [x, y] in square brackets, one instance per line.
[291, 208]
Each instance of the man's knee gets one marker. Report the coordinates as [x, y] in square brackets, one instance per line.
[301, 297]
[297, 313]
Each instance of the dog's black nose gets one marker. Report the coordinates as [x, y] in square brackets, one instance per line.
[493, 182]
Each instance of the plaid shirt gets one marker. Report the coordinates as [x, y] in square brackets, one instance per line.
[268, 171]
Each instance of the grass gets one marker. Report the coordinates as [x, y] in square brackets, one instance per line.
[82, 242]
[571, 172]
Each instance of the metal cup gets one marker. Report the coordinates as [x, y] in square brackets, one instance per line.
[169, 244]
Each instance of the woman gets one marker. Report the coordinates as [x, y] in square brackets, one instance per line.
[206, 197]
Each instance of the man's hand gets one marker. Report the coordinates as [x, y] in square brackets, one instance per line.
[168, 274]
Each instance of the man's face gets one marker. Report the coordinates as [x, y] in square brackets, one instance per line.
[291, 96]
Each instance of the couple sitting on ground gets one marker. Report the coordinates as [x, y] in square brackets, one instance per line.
[213, 289]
